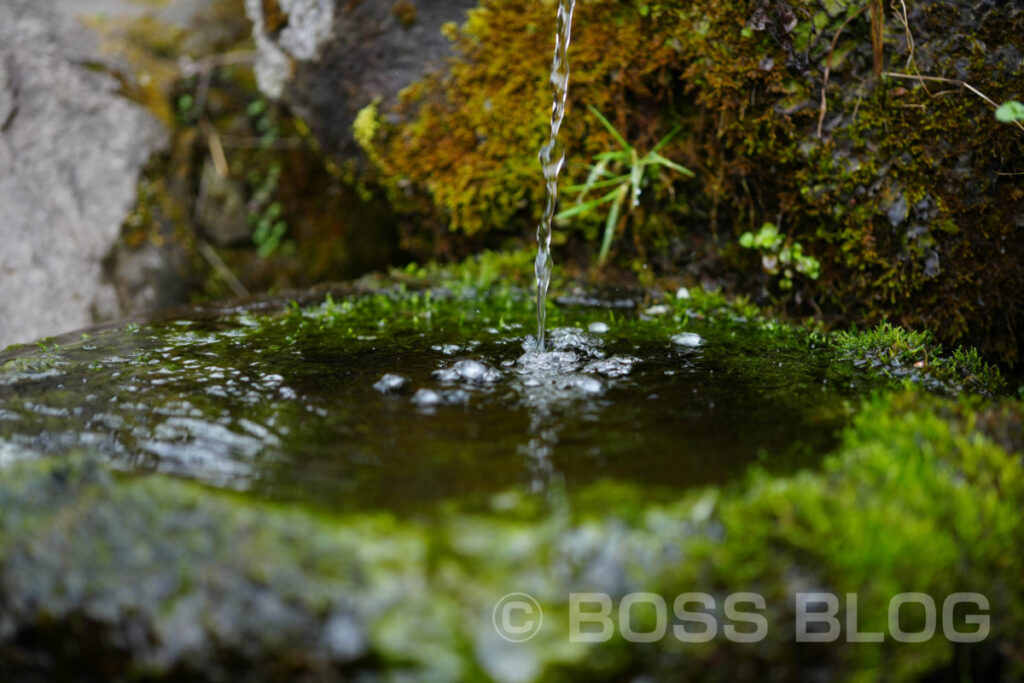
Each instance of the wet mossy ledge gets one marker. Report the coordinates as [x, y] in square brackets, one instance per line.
[877, 157]
[109, 571]
[154, 578]
[494, 288]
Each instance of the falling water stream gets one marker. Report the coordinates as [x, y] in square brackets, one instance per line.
[552, 156]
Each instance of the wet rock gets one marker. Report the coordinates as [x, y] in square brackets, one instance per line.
[178, 585]
[103, 576]
[330, 58]
[222, 213]
[71, 150]
[148, 278]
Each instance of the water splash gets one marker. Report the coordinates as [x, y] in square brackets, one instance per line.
[552, 156]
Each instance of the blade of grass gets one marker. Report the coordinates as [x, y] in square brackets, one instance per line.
[583, 189]
[665, 140]
[586, 206]
[656, 158]
[611, 223]
[617, 155]
[611, 129]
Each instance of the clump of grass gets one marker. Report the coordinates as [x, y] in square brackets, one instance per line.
[908, 354]
[624, 171]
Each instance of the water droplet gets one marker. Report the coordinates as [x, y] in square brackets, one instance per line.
[598, 327]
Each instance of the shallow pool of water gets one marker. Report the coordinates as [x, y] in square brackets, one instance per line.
[400, 404]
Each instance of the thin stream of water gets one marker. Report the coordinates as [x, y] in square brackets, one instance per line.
[552, 157]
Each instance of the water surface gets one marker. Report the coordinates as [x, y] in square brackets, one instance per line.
[290, 404]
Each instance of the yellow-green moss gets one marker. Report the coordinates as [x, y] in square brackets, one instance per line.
[750, 104]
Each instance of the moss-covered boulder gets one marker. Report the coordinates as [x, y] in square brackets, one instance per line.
[105, 576]
[864, 132]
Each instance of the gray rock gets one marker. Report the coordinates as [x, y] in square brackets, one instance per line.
[897, 212]
[71, 150]
[222, 214]
[7, 95]
[330, 58]
[149, 277]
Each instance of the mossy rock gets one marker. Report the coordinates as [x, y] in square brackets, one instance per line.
[903, 188]
[110, 576]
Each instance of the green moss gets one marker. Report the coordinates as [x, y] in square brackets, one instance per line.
[923, 495]
[902, 354]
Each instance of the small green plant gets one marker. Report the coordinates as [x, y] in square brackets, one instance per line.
[1010, 112]
[623, 170]
[779, 255]
[914, 355]
[265, 212]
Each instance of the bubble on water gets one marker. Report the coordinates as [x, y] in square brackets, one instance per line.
[547, 363]
[455, 397]
[470, 370]
[687, 339]
[446, 374]
[598, 327]
[447, 349]
[615, 366]
[584, 383]
[426, 398]
[391, 384]
[573, 339]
